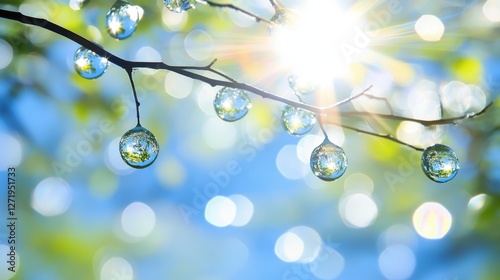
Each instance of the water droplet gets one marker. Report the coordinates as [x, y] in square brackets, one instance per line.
[283, 22]
[328, 161]
[231, 104]
[302, 83]
[138, 147]
[88, 64]
[179, 6]
[440, 163]
[121, 19]
[297, 121]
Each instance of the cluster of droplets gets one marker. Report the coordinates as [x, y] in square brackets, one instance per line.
[88, 64]
[139, 147]
[122, 19]
[231, 104]
[179, 6]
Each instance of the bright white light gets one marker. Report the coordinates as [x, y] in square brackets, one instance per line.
[429, 28]
[289, 247]
[220, 211]
[116, 268]
[115, 26]
[491, 10]
[358, 210]
[51, 197]
[244, 210]
[314, 43]
[432, 220]
[397, 262]
[138, 220]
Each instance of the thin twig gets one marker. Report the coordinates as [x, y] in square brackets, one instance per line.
[236, 8]
[137, 103]
[454, 120]
[384, 136]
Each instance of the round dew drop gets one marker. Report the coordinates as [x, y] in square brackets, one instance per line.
[297, 121]
[88, 64]
[440, 163]
[328, 161]
[179, 6]
[231, 104]
[122, 19]
[139, 147]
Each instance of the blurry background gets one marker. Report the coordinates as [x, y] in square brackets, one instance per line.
[238, 200]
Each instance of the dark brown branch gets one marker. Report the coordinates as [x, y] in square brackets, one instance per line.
[236, 8]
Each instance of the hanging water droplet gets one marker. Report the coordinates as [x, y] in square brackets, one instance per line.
[302, 83]
[297, 121]
[231, 104]
[328, 161]
[440, 163]
[283, 22]
[138, 147]
[179, 6]
[121, 19]
[88, 64]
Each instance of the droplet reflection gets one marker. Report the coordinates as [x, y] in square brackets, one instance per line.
[139, 147]
[231, 104]
[440, 163]
[88, 64]
[328, 161]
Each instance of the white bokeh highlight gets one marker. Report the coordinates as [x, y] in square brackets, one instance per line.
[429, 28]
[138, 220]
[220, 211]
[51, 197]
[432, 220]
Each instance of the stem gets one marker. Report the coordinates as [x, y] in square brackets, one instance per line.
[236, 8]
[137, 103]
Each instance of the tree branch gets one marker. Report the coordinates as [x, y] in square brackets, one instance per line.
[236, 8]
[227, 81]
[454, 120]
